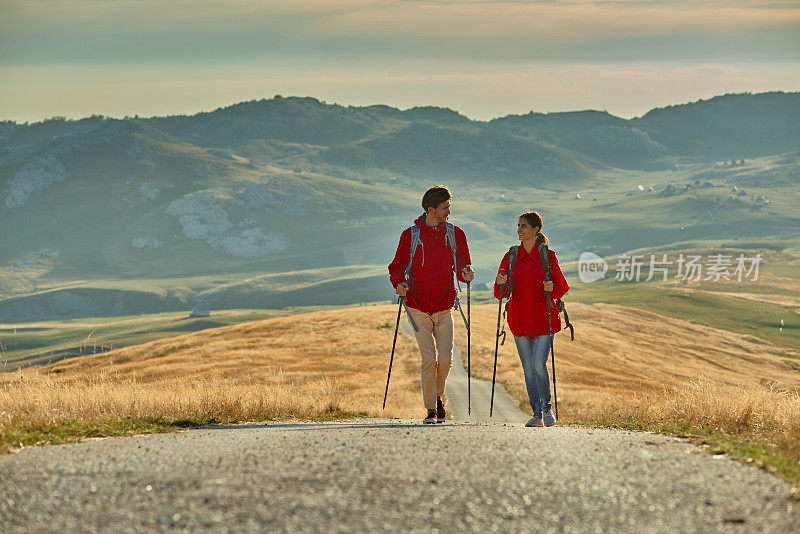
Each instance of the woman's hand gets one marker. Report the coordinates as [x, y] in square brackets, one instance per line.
[501, 279]
[548, 286]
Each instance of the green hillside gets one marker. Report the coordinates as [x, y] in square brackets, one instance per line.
[296, 202]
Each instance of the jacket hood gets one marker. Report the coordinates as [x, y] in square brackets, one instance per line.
[429, 230]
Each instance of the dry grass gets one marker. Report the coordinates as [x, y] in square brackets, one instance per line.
[635, 369]
[626, 368]
[752, 423]
[750, 413]
[619, 349]
[318, 365]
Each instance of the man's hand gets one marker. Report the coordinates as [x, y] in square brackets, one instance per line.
[501, 279]
[401, 289]
[548, 286]
[468, 273]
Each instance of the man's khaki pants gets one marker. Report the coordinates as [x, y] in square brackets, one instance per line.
[435, 332]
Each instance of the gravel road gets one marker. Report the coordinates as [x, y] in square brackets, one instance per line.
[378, 475]
[392, 475]
[505, 408]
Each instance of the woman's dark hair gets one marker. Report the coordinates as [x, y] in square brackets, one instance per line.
[435, 196]
[535, 220]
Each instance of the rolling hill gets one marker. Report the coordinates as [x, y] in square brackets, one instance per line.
[626, 368]
[618, 349]
[145, 215]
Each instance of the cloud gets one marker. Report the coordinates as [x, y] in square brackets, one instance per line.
[483, 57]
[201, 31]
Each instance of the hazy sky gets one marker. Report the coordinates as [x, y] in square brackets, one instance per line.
[484, 58]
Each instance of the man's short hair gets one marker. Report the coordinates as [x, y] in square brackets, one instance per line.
[435, 196]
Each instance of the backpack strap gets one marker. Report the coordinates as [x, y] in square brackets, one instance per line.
[563, 309]
[415, 242]
[451, 239]
[512, 261]
[544, 254]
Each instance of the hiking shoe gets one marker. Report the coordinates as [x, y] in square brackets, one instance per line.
[431, 419]
[549, 418]
[535, 421]
[440, 411]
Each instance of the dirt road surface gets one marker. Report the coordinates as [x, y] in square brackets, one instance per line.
[373, 475]
[505, 409]
[388, 475]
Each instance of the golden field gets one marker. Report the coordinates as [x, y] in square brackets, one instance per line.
[635, 369]
[317, 365]
[619, 349]
[626, 368]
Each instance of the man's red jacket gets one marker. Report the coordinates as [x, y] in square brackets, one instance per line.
[431, 288]
[527, 309]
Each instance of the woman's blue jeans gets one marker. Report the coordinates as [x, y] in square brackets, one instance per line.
[533, 352]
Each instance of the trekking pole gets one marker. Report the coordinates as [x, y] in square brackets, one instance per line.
[409, 317]
[391, 359]
[469, 331]
[497, 342]
[552, 346]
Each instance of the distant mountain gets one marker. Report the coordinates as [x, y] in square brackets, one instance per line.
[297, 120]
[596, 134]
[19, 135]
[294, 120]
[376, 137]
[447, 153]
[127, 199]
[439, 142]
[730, 126]
[290, 184]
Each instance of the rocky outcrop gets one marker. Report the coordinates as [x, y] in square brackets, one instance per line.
[200, 215]
[251, 243]
[33, 178]
[624, 138]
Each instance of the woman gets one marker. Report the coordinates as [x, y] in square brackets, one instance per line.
[527, 311]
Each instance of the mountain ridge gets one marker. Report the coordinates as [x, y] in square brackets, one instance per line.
[290, 184]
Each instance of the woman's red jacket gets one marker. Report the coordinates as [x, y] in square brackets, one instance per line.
[527, 309]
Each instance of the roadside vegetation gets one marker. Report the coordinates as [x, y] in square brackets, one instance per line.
[323, 365]
[43, 342]
[751, 423]
[637, 370]
[627, 368]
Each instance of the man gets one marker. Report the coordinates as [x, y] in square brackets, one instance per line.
[427, 283]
